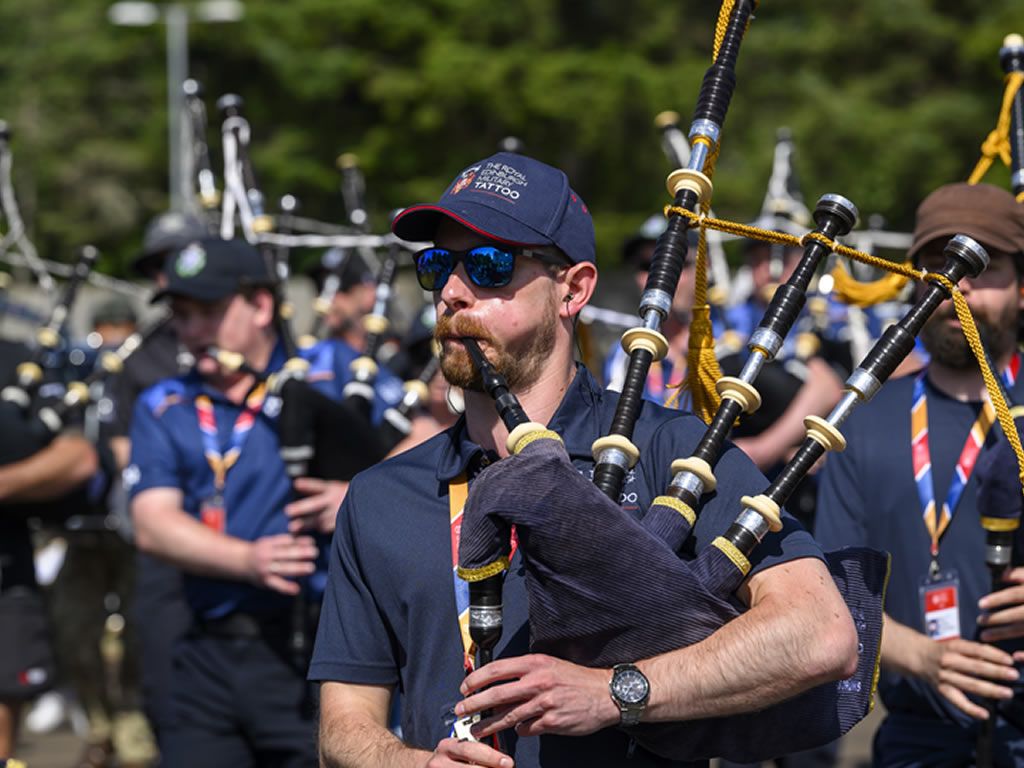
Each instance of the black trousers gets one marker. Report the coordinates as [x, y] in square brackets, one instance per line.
[241, 702]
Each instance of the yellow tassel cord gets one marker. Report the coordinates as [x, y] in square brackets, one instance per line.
[849, 290]
[963, 312]
[702, 369]
[998, 142]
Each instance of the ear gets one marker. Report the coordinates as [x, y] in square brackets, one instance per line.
[576, 287]
[263, 301]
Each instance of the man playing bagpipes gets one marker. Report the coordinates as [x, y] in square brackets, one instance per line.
[512, 266]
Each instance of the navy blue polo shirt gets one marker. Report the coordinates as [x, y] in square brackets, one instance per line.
[867, 496]
[167, 452]
[389, 615]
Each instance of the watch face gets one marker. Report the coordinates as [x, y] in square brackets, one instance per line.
[631, 686]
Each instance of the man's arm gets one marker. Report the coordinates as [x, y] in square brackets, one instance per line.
[797, 634]
[164, 529]
[354, 734]
[56, 470]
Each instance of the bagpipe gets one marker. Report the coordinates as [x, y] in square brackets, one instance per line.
[1000, 480]
[30, 373]
[319, 436]
[577, 584]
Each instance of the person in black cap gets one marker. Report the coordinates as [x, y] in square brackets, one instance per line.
[163, 616]
[210, 493]
[512, 265]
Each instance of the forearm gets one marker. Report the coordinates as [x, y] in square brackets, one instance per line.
[354, 733]
[794, 639]
[57, 470]
[175, 536]
[357, 742]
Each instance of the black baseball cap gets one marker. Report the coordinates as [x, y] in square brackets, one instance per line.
[165, 234]
[211, 269]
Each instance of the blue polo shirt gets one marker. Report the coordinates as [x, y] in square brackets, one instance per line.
[867, 496]
[389, 615]
[167, 452]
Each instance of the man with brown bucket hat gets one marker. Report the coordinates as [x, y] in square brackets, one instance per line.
[906, 484]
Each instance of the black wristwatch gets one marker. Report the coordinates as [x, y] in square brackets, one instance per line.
[630, 691]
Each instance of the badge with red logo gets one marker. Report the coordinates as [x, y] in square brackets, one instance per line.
[940, 606]
[465, 179]
[212, 514]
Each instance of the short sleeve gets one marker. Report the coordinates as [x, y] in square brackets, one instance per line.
[353, 643]
[154, 462]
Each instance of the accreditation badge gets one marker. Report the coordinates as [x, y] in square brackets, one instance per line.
[211, 513]
[940, 605]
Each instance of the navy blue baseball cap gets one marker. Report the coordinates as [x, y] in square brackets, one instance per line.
[212, 269]
[511, 199]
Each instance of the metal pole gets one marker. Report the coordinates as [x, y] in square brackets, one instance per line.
[176, 21]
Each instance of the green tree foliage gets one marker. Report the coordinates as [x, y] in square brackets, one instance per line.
[886, 100]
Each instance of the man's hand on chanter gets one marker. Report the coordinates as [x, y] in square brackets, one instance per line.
[1004, 611]
[538, 694]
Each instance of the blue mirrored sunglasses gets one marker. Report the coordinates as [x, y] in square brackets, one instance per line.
[487, 266]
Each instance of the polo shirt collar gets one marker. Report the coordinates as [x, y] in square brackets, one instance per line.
[577, 420]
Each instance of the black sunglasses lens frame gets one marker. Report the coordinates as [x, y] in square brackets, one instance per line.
[487, 266]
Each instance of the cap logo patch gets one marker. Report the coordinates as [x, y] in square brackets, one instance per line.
[498, 179]
[190, 261]
[465, 179]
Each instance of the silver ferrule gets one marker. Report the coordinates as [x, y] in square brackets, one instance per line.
[688, 482]
[863, 383]
[698, 157]
[1006, 50]
[1017, 180]
[766, 339]
[206, 184]
[657, 300]
[755, 362]
[411, 398]
[998, 555]
[614, 456]
[398, 421]
[485, 617]
[754, 523]
[844, 408]
[842, 202]
[356, 388]
[50, 418]
[382, 298]
[704, 127]
[13, 394]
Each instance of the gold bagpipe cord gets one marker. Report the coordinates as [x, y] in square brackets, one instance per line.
[963, 311]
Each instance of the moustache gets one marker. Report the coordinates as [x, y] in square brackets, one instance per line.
[461, 327]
